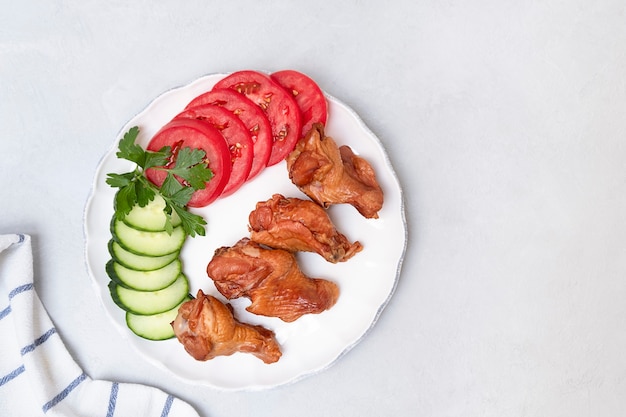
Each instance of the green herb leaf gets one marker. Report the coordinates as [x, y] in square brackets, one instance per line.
[192, 223]
[171, 186]
[199, 175]
[135, 189]
[145, 193]
[191, 167]
[120, 180]
[182, 196]
[129, 150]
[124, 201]
[157, 159]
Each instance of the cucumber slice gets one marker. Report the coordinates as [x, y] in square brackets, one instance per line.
[150, 302]
[154, 280]
[151, 217]
[139, 262]
[145, 243]
[156, 326]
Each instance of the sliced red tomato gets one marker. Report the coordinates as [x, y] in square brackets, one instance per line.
[280, 108]
[195, 134]
[308, 95]
[250, 114]
[237, 138]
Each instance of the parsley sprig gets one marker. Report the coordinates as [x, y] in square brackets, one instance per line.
[135, 189]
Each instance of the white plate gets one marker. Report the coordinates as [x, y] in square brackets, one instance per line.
[309, 344]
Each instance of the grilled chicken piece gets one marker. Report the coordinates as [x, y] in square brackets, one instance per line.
[207, 328]
[271, 279]
[294, 224]
[332, 175]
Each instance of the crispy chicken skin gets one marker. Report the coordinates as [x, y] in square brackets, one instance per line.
[331, 175]
[271, 279]
[207, 328]
[294, 224]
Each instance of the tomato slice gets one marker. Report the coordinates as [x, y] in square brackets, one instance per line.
[307, 94]
[195, 134]
[250, 114]
[237, 138]
[280, 108]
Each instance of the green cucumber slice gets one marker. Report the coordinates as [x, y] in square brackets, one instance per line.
[145, 243]
[156, 326]
[139, 262]
[151, 217]
[150, 302]
[154, 280]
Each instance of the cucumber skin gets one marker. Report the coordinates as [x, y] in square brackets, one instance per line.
[154, 262]
[146, 326]
[154, 327]
[113, 289]
[114, 275]
[118, 223]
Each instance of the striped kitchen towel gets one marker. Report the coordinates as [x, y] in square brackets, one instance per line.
[38, 376]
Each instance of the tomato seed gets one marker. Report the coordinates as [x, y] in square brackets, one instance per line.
[246, 88]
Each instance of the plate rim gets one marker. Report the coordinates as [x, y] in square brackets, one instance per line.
[125, 334]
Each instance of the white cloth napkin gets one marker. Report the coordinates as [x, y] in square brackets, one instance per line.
[38, 376]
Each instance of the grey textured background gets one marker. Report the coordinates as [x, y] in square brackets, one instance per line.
[504, 121]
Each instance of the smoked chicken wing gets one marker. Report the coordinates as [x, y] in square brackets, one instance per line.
[331, 175]
[271, 279]
[207, 328]
[294, 224]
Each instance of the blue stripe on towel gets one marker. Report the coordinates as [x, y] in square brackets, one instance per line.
[40, 340]
[112, 399]
[22, 288]
[5, 312]
[13, 374]
[167, 406]
[61, 396]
